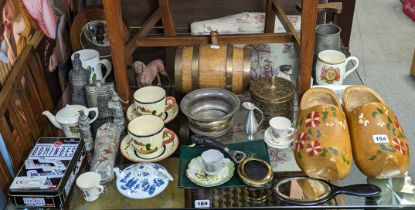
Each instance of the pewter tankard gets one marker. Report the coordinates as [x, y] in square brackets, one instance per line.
[327, 37]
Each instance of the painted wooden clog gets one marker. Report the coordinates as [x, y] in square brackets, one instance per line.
[380, 149]
[322, 148]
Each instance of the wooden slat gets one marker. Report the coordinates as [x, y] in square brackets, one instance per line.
[24, 134]
[337, 7]
[15, 74]
[113, 17]
[174, 41]
[169, 29]
[308, 25]
[34, 100]
[5, 176]
[12, 147]
[26, 108]
[284, 20]
[38, 75]
[168, 23]
[145, 29]
[269, 17]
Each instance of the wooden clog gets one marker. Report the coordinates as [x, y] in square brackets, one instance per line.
[322, 148]
[380, 149]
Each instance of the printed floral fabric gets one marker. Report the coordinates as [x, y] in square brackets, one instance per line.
[322, 148]
[379, 144]
[246, 22]
[279, 60]
[274, 59]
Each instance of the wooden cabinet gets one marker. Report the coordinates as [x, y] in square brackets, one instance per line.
[122, 49]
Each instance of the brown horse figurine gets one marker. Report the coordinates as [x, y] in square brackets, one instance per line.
[145, 74]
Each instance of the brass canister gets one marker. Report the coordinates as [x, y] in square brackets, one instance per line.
[274, 96]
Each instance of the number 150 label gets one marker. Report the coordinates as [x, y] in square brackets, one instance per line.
[380, 139]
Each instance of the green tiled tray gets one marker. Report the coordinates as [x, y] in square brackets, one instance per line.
[255, 148]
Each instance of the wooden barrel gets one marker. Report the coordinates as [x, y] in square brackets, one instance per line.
[202, 66]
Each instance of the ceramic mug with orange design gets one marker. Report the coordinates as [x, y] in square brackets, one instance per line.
[152, 100]
[148, 135]
[331, 67]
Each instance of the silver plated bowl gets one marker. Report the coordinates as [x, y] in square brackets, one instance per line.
[210, 111]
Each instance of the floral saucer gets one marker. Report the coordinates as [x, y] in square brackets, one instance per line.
[197, 175]
[168, 116]
[271, 141]
[142, 180]
[128, 150]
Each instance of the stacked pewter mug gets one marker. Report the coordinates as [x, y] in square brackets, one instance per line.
[327, 37]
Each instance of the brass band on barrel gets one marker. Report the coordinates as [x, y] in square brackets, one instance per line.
[195, 68]
[246, 68]
[229, 69]
[178, 67]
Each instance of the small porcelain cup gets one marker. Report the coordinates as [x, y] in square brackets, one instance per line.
[90, 59]
[331, 67]
[149, 135]
[281, 129]
[212, 160]
[89, 184]
[153, 100]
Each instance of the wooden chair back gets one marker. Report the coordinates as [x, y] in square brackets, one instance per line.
[23, 98]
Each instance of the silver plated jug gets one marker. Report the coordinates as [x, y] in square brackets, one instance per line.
[251, 124]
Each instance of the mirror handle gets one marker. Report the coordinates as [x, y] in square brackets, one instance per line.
[365, 190]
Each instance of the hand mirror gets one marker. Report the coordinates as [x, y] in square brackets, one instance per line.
[252, 171]
[309, 191]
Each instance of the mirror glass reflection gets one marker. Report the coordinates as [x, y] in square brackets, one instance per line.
[303, 189]
[96, 33]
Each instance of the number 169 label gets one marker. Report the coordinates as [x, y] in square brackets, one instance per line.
[202, 203]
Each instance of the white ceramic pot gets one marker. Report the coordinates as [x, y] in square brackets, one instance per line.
[67, 119]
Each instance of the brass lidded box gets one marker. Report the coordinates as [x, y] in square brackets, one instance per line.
[274, 96]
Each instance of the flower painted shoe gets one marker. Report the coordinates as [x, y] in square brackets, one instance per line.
[322, 148]
[379, 145]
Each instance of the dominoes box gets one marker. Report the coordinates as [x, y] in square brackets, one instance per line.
[48, 175]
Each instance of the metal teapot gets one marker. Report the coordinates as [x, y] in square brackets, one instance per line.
[67, 119]
[251, 124]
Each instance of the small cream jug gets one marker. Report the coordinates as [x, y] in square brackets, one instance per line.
[331, 67]
[67, 119]
[251, 124]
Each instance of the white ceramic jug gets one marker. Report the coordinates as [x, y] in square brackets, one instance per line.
[90, 60]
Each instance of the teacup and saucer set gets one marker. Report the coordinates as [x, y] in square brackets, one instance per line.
[148, 140]
[210, 169]
[280, 133]
[153, 100]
